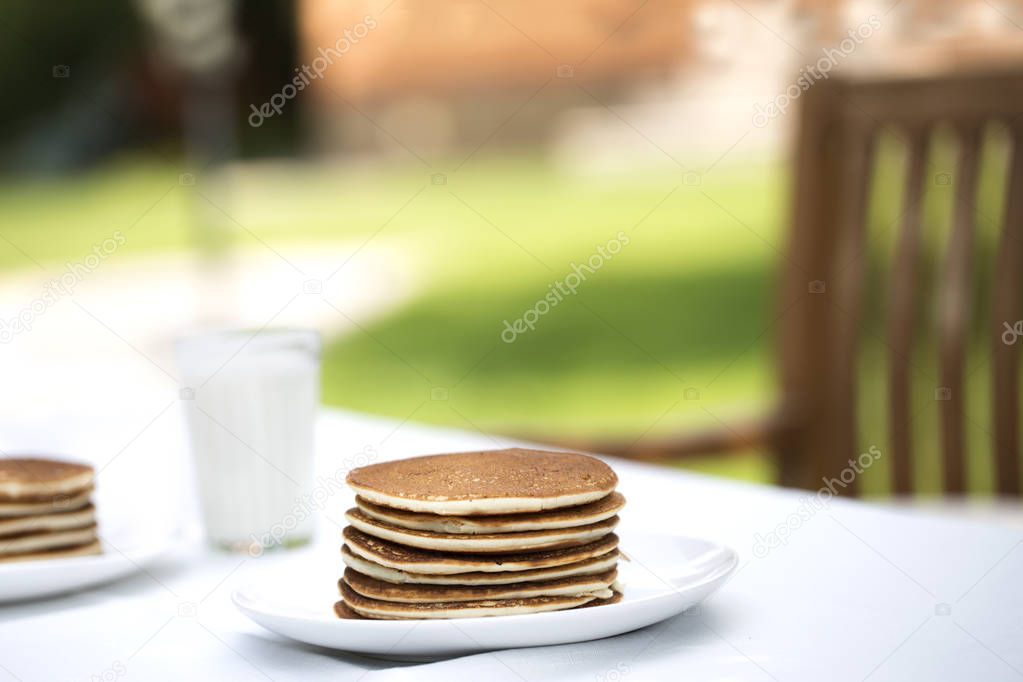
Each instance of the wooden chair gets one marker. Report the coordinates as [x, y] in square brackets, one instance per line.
[814, 431]
[840, 121]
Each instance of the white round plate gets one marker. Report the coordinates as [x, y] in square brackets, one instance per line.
[667, 574]
[21, 580]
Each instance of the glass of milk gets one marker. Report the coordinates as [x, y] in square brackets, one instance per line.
[251, 400]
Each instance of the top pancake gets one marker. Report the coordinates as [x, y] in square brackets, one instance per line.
[29, 479]
[489, 482]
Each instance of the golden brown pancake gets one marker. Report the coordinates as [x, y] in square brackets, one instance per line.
[38, 542]
[41, 523]
[89, 549]
[598, 585]
[59, 503]
[490, 482]
[29, 479]
[615, 597]
[566, 517]
[378, 609]
[393, 555]
[482, 543]
[343, 610]
[597, 564]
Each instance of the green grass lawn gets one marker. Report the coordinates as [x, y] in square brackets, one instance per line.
[687, 304]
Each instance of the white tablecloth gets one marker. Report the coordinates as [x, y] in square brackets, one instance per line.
[855, 592]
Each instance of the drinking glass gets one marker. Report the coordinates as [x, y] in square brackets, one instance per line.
[251, 402]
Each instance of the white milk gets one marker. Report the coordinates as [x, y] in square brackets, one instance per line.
[251, 404]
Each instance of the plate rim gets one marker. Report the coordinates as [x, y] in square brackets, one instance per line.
[138, 553]
[100, 569]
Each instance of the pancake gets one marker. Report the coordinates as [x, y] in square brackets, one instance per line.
[566, 517]
[389, 610]
[587, 567]
[489, 482]
[412, 560]
[90, 549]
[29, 479]
[615, 597]
[38, 542]
[56, 504]
[596, 585]
[482, 543]
[48, 522]
[343, 610]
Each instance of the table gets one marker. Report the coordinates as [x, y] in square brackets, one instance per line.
[849, 591]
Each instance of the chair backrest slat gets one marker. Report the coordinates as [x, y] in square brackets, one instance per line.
[954, 313]
[1006, 309]
[902, 315]
[805, 334]
[849, 268]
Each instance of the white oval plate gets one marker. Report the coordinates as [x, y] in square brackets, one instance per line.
[667, 574]
[36, 579]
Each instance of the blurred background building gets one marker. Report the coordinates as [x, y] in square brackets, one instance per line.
[413, 177]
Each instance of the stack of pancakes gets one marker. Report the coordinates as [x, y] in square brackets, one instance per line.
[45, 510]
[480, 534]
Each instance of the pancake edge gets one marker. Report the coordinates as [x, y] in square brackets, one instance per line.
[397, 576]
[502, 543]
[24, 544]
[490, 565]
[589, 585]
[469, 525]
[483, 506]
[344, 611]
[65, 503]
[463, 611]
[47, 523]
[93, 548]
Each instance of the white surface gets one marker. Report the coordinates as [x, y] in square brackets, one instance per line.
[856, 591]
[666, 575]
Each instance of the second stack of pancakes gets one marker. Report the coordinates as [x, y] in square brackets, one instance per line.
[46, 510]
[480, 534]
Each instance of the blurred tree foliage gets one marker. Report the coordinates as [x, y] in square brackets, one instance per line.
[81, 82]
[89, 38]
